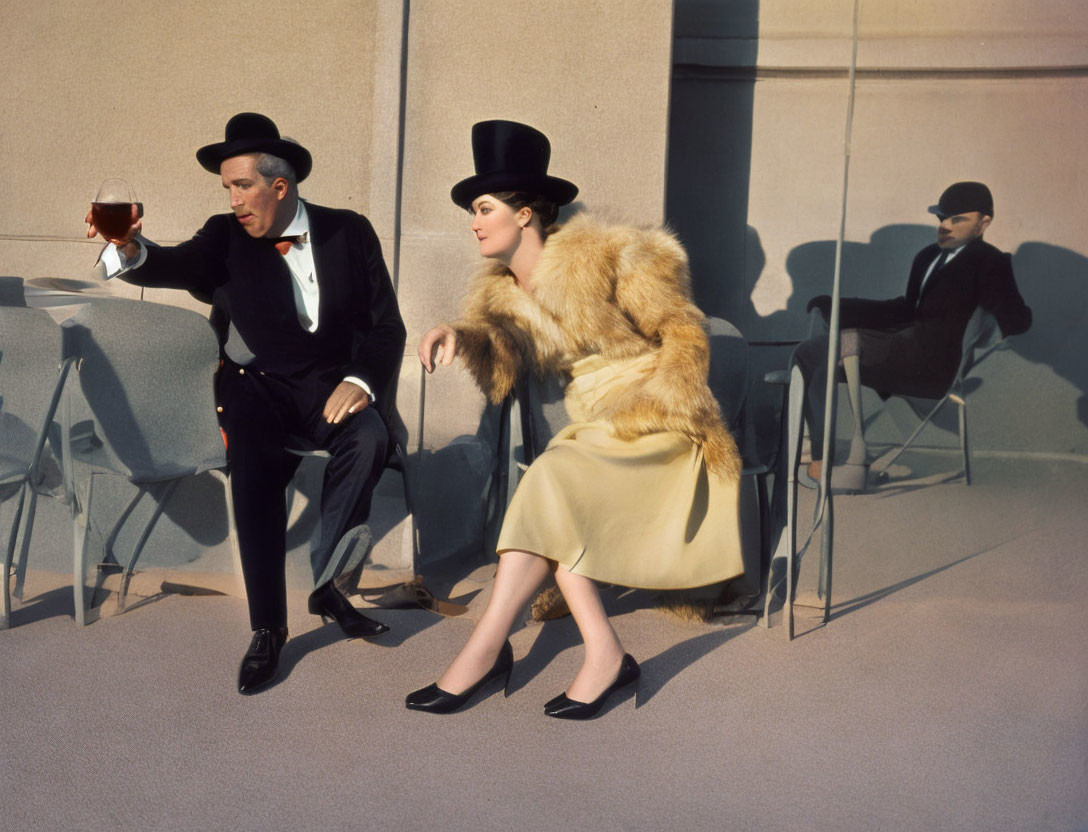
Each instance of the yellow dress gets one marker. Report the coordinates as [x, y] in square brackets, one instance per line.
[644, 513]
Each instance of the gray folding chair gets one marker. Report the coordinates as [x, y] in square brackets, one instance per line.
[981, 338]
[729, 380]
[30, 385]
[789, 458]
[145, 372]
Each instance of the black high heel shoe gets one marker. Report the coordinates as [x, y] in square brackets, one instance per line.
[437, 701]
[327, 601]
[563, 707]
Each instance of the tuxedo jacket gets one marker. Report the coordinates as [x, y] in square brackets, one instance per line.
[911, 344]
[248, 283]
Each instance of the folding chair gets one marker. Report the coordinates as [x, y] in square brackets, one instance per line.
[145, 371]
[31, 379]
[981, 338]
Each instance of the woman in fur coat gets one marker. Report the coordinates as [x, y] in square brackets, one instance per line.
[641, 489]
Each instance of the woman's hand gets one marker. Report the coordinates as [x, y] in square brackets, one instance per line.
[439, 346]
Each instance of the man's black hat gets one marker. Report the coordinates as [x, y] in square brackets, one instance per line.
[254, 133]
[511, 157]
[962, 198]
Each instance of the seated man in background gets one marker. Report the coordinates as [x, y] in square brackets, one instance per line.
[910, 345]
[311, 339]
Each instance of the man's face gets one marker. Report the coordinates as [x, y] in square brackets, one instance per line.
[959, 229]
[256, 204]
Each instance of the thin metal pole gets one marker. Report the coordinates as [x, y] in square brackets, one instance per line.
[825, 512]
[403, 98]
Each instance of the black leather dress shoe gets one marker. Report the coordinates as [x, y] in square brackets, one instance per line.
[328, 602]
[563, 707]
[260, 661]
[434, 700]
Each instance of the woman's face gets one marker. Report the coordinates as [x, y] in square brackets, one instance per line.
[498, 227]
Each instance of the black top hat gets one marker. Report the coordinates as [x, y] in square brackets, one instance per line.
[511, 157]
[254, 133]
[963, 197]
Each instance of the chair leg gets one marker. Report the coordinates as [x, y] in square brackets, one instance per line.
[964, 445]
[788, 541]
[910, 439]
[409, 504]
[764, 529]
[232, 536]
[25, 527]
[9, 554]
[160, 504]
[858, 451]
[81, 519]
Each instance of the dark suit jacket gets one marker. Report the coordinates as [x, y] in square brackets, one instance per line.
[248, 283]
[910, 345]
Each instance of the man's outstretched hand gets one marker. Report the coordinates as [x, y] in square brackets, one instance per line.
[126, 245]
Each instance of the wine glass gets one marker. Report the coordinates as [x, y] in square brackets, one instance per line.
[111, 210]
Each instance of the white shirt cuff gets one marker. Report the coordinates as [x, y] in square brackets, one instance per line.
[364, 385]
[111, 258]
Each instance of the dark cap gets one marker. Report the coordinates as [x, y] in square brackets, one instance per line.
[962, 198]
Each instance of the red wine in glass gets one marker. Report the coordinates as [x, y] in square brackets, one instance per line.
[114, 219]
[111, 210]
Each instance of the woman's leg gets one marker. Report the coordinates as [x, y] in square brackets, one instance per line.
[604, 653]
[516, 581]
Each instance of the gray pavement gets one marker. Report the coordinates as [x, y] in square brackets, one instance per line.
[948, 691]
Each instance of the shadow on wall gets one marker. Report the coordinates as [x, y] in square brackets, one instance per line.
[1053, 281]
[710, 152]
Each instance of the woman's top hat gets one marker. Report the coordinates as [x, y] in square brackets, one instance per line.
[511, 157]
[254, 133]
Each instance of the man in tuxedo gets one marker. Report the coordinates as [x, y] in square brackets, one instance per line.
[311, 342]
[910, 345]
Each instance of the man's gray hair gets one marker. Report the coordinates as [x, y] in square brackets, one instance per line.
[273, 167]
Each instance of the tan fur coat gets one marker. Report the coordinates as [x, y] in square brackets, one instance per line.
[616, 291]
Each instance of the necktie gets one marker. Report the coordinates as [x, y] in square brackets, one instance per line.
[940, 261]
[283, 244]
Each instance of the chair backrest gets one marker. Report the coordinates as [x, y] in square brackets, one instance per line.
[541, 410]
[30, 356]
[728, 377]
[980, 337]
[146, 371]
[11, 291]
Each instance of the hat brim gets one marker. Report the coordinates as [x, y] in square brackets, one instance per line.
[552, 188]
[986, 211]
[213, 155]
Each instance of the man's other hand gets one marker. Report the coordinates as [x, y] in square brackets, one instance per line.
[346, 399]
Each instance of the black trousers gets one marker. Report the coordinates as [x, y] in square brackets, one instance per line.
[889, 361]
[263, 415]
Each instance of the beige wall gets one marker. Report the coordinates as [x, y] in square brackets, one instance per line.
[131, 89]
[594, 77]
[79, 104]
[599, 90]
[995, 91]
